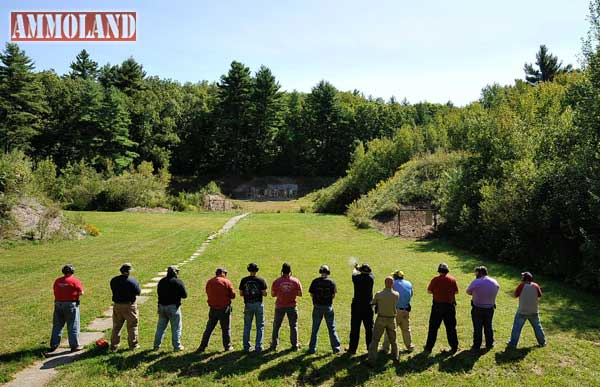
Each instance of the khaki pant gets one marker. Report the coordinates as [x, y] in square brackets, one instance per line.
[122, 313]
[387, 325]
[403, 321]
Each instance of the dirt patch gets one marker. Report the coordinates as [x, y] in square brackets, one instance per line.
[147, 210]
[412, 224]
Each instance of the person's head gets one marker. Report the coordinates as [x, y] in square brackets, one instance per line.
[389, 282]
[126, 269]
[398, 275]
[252, 268]
[364, 268]
[526, 277]
[172, 271]
[324, 270]
[221, 272]
[443, 268]
[68, 270]
[286, 269]
[481, 271]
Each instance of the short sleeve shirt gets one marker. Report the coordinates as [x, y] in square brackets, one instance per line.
[253, 288]
[444, 288]
[286, 288]
[404, 289]
[322, 291]
[219, 291]
[528, 294]
[67, 288]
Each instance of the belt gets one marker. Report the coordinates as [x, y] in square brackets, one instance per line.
[402, 308]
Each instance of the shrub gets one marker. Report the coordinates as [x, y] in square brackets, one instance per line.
[15, 173]
[91, 229]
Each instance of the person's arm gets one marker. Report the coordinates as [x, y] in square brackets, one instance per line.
[79, 288]
[455, 287]
[241, 288]
[137, 288]
[182, 290]
[539, 290]
[274, 289]
[264, 288]
[430, 287]
[519, 289]
[231, 290]
[299, 294]
[470, 288]
[334, 291]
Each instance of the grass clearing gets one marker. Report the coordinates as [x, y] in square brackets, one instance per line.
[149, 241]
[571, 319]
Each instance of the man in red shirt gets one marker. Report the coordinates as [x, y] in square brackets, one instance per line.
[220, 292]
[67, 290]
[444, 288]
[286, 288]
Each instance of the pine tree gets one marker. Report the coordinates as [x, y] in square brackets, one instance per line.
[83, 66]
[22, 105]
[548, 67]
[234, 115]
[267, 118]
[129, 76]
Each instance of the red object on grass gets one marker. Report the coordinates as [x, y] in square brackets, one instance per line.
[102, 343]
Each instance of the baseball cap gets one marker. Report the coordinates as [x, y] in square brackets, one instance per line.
[126, 268]
[220, 271]
[324, 269]
[443, 268]
[398, 273]
[252, 267]
[527, 276]
[364, 268]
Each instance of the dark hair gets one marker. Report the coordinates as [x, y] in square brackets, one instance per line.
[481, 270]
[252, 267]
[286, 268]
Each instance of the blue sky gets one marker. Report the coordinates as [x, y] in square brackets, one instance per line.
[431, 50]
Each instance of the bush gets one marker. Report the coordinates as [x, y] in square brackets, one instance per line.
[15, 174]
[79, 186]
[194, 201]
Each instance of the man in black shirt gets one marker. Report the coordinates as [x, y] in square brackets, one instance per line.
[361, 311]
[253, 289]
[322, 290]
[124, 291]
[170, 292]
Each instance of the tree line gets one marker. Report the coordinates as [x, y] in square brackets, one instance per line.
[114, 116]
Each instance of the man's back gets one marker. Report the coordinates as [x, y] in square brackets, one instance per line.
[219, 291]
[322, 291]
[124, 289]
[528, 294]
[484, 291]
[385, 301]
[286, 288]
[363, 288]
[170, 291]
[67, 288]
[443, 288]
[253, 287]
[404, 289]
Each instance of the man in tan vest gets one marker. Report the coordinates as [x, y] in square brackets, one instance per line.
[385, 305]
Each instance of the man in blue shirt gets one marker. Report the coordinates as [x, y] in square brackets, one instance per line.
[405, 289]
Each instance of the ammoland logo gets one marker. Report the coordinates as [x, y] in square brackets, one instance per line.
[27, 26]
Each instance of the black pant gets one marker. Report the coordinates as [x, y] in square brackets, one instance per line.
[447, 314]
[360, 314]
[482, 320]
[223, 317]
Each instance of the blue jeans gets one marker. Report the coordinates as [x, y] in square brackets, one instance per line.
[534, 320]
[65, 312]
[166, 314]
[292, 315]
[320, 312]
[252, 311]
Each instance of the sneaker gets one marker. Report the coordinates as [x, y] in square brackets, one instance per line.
[154, 349]
[229, 348]
[272, 348]
[181, 348]
[50, 351]
[114, 348]
[137, 346]
[337, 350]
[296, 347]
[77, 349]
[411, 348]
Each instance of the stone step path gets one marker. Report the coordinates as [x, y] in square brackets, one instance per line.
[41, 372]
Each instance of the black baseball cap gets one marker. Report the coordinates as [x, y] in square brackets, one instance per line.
[443, 268]
[252, 267]
[364, 268]
[68, 269]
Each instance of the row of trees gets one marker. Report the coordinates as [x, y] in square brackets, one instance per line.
[113, 116]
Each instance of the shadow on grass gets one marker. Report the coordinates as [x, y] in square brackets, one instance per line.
[127, 360]
[562, 308]
[11, 362]
[512, 355]
[462, 362]
[223, 364]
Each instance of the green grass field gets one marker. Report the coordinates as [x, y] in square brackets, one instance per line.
[571, 318]
[149, 241]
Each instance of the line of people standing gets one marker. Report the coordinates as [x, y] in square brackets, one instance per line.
[392, 306]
